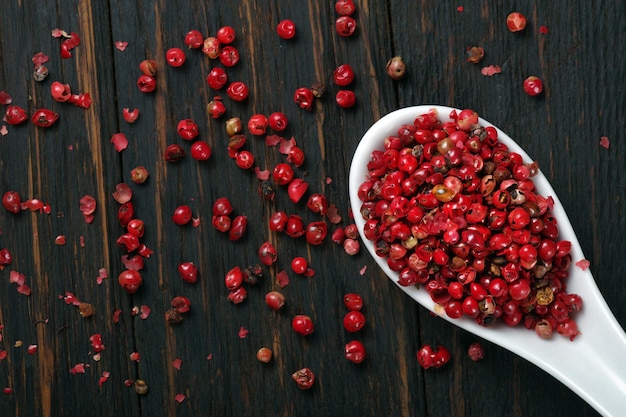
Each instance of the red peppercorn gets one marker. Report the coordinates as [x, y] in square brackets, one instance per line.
[303, 97]
[278, 121]
[188, 272]
[146, 83]
[516, 22]
[475, 54]
[430, 358]
[125, 213]
[296, 189]
[345, 98]
[211, 47]
[267, 254]
[296, 156]
[257, 124]
[5, 257]
[476, 352]
[181, 304]
[226, 34]
[238, 227]
[353, 321]
[194, 39]
[299, 265]
[216, 109]
[139, 174]
[182, 215]
[345, 7]
[354, 351]
[60, 92]
[201, 150]
[275, 300]
[345, 26]
[467, 119]
[175, 57]
[187, 129]
[233, 278]
[353, 301]
[286, 29]
[533, 86]
[221, 223]
[130, 115]
[12, 202]
[229, 56]
[44, 118]
[244, 160]
[217, 78]
[129, 242]
[316, 232]
[278, 221]
[282, 173]
[396, 68]
[302, 324]
[136, 227]
[237, 91]
[351, 246]
[295, 226]
[264, 355]
[222, 207]
[318, 203]
[174, 153]
[148, 67]
[343, 75]
[15, 115]
[130, 280]
[304, 378]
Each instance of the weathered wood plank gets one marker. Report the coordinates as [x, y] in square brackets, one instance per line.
[561, 130]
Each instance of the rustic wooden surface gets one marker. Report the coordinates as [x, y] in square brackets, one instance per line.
[580, 61]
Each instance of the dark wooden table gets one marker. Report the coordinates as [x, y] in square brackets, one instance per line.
[583, 70]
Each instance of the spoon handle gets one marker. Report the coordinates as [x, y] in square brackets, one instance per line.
[594, 364]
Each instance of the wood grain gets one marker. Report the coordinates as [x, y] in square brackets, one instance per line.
[579, 61]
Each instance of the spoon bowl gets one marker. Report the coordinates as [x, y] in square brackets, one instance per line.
[592, 365]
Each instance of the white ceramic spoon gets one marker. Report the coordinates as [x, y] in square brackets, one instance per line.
[594, 364]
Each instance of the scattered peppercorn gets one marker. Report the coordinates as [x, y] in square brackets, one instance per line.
[396, 68]
[475, 54]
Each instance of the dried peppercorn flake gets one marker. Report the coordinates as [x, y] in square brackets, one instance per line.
[116, 316]
[104, 378]
[262, 175]
[102, 274]
[273, 140]
[144, 312]
[283, 279]
[121, 45]
[60, 33]
[604, 142]
[39, 59]
[491, 70]
[79, 368]
[119, 141]
[583, 264]
[286, 145]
